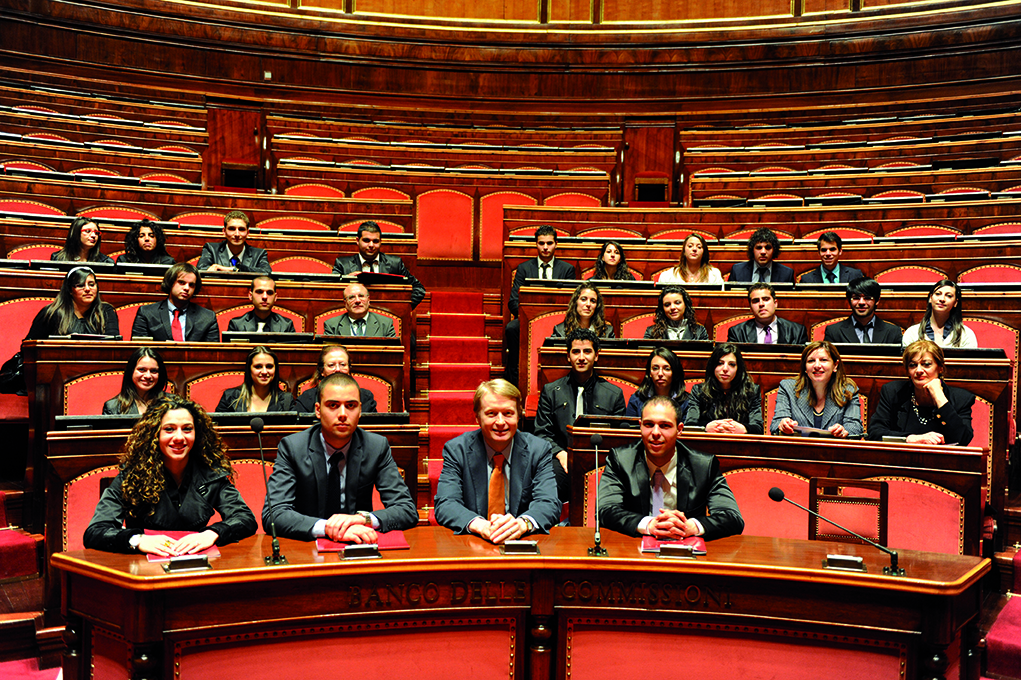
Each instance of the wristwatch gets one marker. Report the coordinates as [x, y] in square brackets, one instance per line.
[367, 517]
[529, 526]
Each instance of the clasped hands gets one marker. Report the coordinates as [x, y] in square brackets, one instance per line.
[671, 524]
[498, 528]
[787, 426]
[728, 425]
[165, 546]
[350, 528]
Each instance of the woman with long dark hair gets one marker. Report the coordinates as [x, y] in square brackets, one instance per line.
[664, 377]
[612, 264]
[822, 397]
[728, 400]
[675, 317]
[145, 380]
[174, 475]
[260, 391]
[82, 243]
[943, 322]
[77, 310]
[693, 266]
[145, 243]
[584, 310]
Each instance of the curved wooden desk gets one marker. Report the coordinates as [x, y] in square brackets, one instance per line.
[455, 607]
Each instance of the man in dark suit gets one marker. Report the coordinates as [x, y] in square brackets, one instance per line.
[497, 482]
[332, 359]
[233, 254]
[766, 328]
[831, 271]
[262, 318]
[580, 391]
[761, 267]
[544, 266]
[369, 259]
[659, 487]
[359, 321]
[323, 477]
[177, 318]
[863, 325]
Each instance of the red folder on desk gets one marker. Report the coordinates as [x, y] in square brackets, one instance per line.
[211, 551]
[651, 544]
[391, 540]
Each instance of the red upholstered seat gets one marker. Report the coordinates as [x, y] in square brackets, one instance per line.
[910, 274]
[539, 328]
[996, 334]
[201, 219]
[98, 172]
[81, 495]
[626, 386]
[842, 232]
[609, 232]
[434, 466]
[491, 221]
[250, 484]
[679, 234]
[292, 222]
[301, 265]
[636, 325]
[320, 320]
[924, 516]
[381, 390]
[924, 230]
[592, 478]
[126, 317]
[720, 329]
[573, 199]
[26, 165]
[163, 177]
[1006, 228]
[444, 221]
[743, 234]
[313, 190]
[207, 390]
[224, 317]
[118, 212]
[32, 252]
[763, 516]
[85, 395]
[28, 207]
[991, 273]
[860, 506]
[384, 226]
[818, 331]
[381, 194]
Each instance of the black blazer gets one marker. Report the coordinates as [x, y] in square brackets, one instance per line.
[248, 322]
[280, 401]
[884, 332]
[625, 493]
[847, 274]
[154, 321]
[208, 490]
[111, 407]
[745, 271]
[790, 333]
[700, 332]
[560, 332]
[894, 416]
[43, 327]
[306, 403]
[254, 260]
[388, 264]
[529, 269]
[159, 259]
[699, 412]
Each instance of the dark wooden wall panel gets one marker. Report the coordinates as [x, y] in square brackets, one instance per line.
[649, 148]
[481, 10]
[668, 10]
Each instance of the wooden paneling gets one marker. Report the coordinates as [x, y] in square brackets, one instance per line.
[653, 11]
[478, 10]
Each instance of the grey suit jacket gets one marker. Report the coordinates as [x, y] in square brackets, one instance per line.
[800, 410]
[388, 264]
[296, 498]
[847, 274]
[745, 271]
[790, 333]
[154, 321]
[884, 332]
[529, 269]
[248, 322]
[376, 326]
[625, 492]
[254, 260]
[462, 493]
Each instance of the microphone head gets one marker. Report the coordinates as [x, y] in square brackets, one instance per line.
[596, 439]
[776, 494]
[258, 423]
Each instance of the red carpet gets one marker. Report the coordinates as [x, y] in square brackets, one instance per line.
[1003, 642]
[26, 669]
[447, 302]
[441, 434]
[451, 408]
[17, 551]
[457, 376]
[471, 325]
[446, 350]
[458, 361]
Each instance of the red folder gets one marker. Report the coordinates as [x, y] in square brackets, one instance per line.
[391, 540]
[651, 544]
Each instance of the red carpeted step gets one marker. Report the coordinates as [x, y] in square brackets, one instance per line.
[457, 376]
[451, 407]
[1003, 642]
[447, 302]
[471, 325]
[13, 407]
[441, 434]
[445, 350]
[26, 669]
[17, 550]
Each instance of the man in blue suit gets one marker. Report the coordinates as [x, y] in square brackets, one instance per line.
[233, 254]
[761, 267]
[497, 482]
[831, 246]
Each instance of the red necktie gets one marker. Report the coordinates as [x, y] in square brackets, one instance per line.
[496, 487]
[175, 327]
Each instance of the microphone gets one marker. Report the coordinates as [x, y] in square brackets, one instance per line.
[258, 424]
[776, 494]
[597, 550]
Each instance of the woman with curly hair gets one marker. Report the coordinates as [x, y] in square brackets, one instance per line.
[943, 322]
[612, 264]
[145, 379]
[675, 317]
[584, 310]
[82, 243]
[77, 309]
[664, 377]
[728, 400]
[822, 397]
[694, 264]
[146, 243]
[173, 475]
[260, 391]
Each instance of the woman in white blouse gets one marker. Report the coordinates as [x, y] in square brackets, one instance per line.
[943, 322]
[694, 266]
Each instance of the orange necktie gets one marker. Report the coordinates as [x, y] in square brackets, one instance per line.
[496, 486]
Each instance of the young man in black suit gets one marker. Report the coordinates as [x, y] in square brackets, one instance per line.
[233, 254]
[262, 318]
[369, 259]
[863, 325]
[323, 477]
[177, 318]
[766, 328]
[761, 267]
[544, 266]
[830, 270]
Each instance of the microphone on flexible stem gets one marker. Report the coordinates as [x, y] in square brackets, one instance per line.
[597, 550]
[257, 424]
[777, 495]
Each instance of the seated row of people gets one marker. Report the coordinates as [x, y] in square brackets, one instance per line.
[145, 381]
[146, 243]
